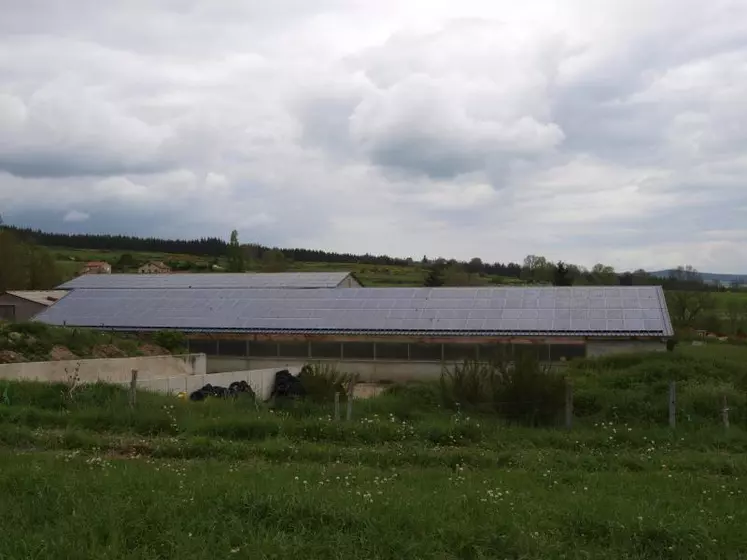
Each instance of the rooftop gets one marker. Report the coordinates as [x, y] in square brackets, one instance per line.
[211, 281]
[581, 311]
[45, 297]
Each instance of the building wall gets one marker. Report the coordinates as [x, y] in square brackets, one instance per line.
[349, 282]
[369, 371]
[596, 348]
[112, 370]
[23, 309]
[261, 381]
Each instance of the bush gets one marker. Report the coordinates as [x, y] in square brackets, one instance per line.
[173, 341]
[321, 381]
[521, 392]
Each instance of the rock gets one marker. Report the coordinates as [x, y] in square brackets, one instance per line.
[58, 353]
[10, 357]
[149, 349]
[107, 351]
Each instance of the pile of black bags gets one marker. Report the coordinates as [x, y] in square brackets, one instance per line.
[234, 390]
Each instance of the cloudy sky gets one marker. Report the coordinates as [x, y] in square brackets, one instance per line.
[602, 130]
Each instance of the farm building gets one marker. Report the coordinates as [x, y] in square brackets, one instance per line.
[215, 281]
[22, 305]
[380, 333]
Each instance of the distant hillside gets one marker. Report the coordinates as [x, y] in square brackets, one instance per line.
[708, 277]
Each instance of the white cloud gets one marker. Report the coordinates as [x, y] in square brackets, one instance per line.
[76, 216]
[592, 131]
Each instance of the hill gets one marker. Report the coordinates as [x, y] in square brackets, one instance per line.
[708, 277]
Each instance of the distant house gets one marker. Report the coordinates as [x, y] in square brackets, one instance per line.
[97, 267]
[22, 305]
[154, 267]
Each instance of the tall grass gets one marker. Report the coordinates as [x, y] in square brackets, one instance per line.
[521, 391]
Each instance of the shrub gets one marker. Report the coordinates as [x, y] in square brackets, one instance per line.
[321, 381]
[173, 341]
[522, 391]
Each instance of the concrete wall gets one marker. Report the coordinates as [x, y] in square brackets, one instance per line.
[596, 348]
[369, 371]
[24, 309]
[261, 381]
[113, 370]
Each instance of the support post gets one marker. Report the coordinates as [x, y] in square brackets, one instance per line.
[568, 404]
[725, 413]
[672, 404]
[337, 406]
[349, 411]
[133, 389]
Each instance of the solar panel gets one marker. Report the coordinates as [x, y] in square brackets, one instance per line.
[482, 310]
[208, 280]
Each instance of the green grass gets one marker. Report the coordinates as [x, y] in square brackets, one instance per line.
[34, 341]
[88, 477]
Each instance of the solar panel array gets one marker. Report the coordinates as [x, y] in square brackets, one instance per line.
[208, 281]
[480, 311]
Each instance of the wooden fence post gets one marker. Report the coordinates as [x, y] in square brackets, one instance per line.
[133, 389]
[672, 404]
[725, 413]
[337, 406]
[568, 404]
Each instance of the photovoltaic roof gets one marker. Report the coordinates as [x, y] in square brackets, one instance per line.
[208, 280]
[608, 311]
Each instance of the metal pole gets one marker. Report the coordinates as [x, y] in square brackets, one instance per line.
[568, 404]
[337, 405]
[725, 413]
[133, 388]
[672, 404]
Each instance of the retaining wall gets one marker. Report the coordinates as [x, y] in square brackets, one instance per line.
[110, 370]
[260, 380]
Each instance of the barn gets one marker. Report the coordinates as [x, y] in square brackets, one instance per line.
[379, 333]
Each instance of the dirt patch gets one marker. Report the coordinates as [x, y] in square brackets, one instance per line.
[367, 390]
[10, 357]
[58, 353]
[107, 351]
[153, 350]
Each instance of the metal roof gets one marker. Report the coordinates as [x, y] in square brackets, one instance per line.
[582, 311]
[208, 280]
[44, 297]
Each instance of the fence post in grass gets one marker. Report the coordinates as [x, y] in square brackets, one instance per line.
[672, 404]
[337, 406]
[725, 413]
[568, 404]
[133, 389]
[349, 403]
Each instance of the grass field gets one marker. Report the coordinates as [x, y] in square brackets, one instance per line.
[406, 478]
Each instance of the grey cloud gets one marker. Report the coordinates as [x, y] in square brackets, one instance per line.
[336, 125]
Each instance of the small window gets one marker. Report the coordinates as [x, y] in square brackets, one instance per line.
[209, 347]
[294, 349]
[459, 352]
[391, 351]
[263, 349]
[326, 350]
[558, 352]
[358, 350]
[232, 347]
[425, 352]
